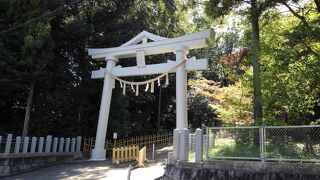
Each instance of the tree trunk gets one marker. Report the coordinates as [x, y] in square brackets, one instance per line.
[317, 2]
[28, 110]
[255, 63]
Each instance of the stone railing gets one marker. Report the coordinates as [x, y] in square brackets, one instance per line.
[19, 154]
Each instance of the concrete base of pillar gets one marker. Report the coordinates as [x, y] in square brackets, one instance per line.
[98, 155]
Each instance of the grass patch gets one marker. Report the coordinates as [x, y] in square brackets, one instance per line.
[231, 148]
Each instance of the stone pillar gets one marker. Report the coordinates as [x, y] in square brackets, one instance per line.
[198, 145]
[73, 144]
[67, 148]
[78, 147]
[17, 146]
[25, 144]
[61, 143]
[33, 145]
[181, 89]
[48, 144]
[8, 143]
[40, 148]
[176, 144]
[184, 146]
[55, 145]
[99, 152]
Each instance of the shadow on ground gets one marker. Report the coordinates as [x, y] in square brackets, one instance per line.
[100, 169]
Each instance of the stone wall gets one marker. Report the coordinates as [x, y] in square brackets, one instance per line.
[246, 170]
[15, 163]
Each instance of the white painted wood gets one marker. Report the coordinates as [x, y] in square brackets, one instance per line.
[179, 45]
[141, 37]
[67, 147]
[144, 40]
[141, 61]
[55, 145]
[40, 147]
[176, 144]
[61, 144]
[17, 145]
[25, 144]
[33, 145]
[99, 153]
[191, 65]
[199, 145]
[191, 41]
[48, 143]
[181, 89]
[78, 146]
[8, 143]
[73, 144]
[184, 147]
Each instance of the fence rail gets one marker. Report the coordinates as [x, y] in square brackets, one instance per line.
[141, 141]
[265, 143]
[124, 154]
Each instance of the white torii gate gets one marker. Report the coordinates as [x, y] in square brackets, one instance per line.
[139, 47]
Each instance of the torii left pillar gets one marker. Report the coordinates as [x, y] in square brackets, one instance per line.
[99, 151]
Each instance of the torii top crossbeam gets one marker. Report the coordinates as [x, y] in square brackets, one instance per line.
[139, 47]
[159, 46]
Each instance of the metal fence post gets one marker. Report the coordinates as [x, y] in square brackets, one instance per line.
[207, 142]
[262, 142]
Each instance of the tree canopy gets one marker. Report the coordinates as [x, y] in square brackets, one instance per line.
[265, 57]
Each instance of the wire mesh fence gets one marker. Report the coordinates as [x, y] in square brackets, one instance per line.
[266, 143]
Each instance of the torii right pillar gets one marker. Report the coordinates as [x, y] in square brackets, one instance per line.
[181, 89]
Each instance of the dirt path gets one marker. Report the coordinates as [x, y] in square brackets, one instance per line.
[99, 170]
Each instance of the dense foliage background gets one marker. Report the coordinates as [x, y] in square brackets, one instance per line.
[43, 58]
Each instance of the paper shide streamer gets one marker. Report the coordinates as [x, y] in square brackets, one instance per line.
[135, 85]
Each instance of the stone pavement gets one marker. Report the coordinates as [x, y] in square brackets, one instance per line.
[99, 170]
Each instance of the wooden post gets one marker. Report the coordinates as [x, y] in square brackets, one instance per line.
[33, 145]
[55, 145]
[17, 146]
[61, 144]
[48, 144]
[8, 143]
[153, 149]
[113, 155]
[40, 148]
[25, 144]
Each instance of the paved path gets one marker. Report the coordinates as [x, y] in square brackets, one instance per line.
[98, 170]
